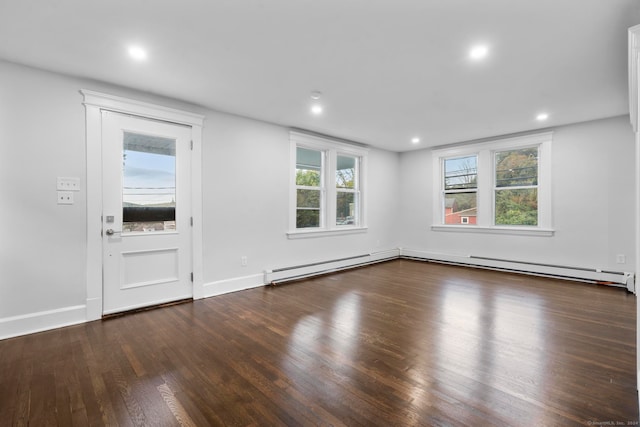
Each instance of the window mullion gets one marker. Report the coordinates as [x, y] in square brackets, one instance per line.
[323, 190]
[330, 169]
[485, 183]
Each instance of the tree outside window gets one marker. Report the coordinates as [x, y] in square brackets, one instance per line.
[516, 187]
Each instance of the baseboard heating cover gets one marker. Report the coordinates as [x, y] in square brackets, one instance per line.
[284, 274]
[592, 275]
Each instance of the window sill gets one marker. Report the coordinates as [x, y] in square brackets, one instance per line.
[310, 234]
[514, 231]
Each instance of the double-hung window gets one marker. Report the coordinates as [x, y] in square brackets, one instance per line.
[327, 194]
[516, 186]
[347, 190]
[309, 187]
[498, 186]
[460, 189]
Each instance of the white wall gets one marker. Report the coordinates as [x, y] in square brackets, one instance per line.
[245, 197]
[246, 201]
[593, 203]
[42, 248]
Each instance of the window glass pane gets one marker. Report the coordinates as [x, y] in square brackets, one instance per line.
[461, 208]
[517, 167]
[346, 172]
[306, 218]
[461, 173]
[517, 207]
[308, 199]
[345, 208]
[308, 210]
[308, 165]
[149, 183]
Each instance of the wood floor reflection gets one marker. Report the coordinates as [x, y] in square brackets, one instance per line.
[400, 343]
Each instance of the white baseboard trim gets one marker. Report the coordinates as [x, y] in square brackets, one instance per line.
[315, 268]
[622, 279]
[386, 255]
[45, 320]
[41, 321]
[232, 285]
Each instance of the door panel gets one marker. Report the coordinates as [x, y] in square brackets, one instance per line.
[146, 212]
[149, 267]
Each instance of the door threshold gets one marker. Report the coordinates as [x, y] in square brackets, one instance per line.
[147, 308]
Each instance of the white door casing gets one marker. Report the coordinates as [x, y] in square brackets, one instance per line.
[95, 103]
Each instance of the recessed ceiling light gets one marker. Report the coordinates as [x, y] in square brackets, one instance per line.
[137, 53]
[316, 108]
[415, 140]
[478, 52]
[542, 117]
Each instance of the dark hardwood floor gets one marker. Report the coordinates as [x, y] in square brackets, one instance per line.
[396, 344]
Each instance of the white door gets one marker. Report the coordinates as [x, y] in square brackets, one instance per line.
[146, 241]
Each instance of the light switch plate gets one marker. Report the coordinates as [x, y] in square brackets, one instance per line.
[68, 184]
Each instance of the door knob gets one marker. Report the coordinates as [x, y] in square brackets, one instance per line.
[111, 232]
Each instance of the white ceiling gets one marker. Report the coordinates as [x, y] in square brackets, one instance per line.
[388, 70]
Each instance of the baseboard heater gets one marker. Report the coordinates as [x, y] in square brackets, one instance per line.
[582, 274]
[297, 272]
[589, 275]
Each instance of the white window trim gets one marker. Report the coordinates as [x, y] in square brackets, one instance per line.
[486, 185]
[331, 149]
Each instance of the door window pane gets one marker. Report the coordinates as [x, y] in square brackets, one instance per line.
[148, 183]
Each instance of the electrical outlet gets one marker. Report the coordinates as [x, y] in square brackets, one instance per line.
[65, 197]
[244, 261]
[621, 259]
